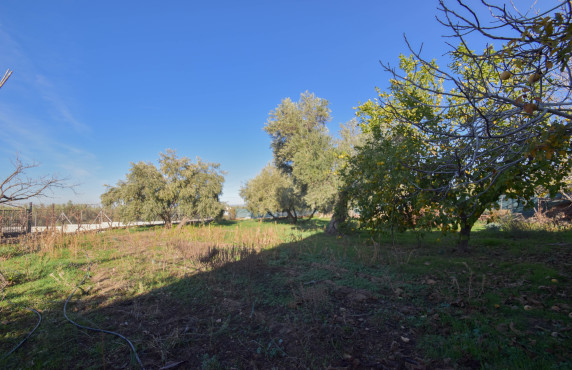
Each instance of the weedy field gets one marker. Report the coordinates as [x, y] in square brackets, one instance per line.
[254, 294]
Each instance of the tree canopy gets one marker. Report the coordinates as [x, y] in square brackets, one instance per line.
[177, 187]
[304, 151]
[448, 142]
[269, 193]
[505, 107]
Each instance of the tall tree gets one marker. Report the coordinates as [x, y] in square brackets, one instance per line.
[380, 178]
[407, 176]
[351, 137]
[177, 187]
[303, 150]
[503, 124]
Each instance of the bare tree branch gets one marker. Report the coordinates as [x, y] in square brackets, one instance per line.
[6, 77]
[18, 187]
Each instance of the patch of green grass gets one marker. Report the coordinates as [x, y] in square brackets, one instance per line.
[288, 296]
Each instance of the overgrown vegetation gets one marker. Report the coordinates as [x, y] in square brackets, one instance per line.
[266, 294]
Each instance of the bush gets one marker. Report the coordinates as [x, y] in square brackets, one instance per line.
[493, 226]
[497, 215]
[516, 224]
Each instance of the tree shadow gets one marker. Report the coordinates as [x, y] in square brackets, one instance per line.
[313, 224]
[313, 303]
[241, 308]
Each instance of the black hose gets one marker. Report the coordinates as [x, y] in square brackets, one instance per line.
[95, 329]
[30, 333]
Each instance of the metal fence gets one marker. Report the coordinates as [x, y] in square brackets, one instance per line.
[57, 217]
[66, 218]
[14, 221]
[64, 214]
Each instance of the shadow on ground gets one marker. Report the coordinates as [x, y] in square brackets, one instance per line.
[299, 305]
[279, 308]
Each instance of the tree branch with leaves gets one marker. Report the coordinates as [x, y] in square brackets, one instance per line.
[496, 121]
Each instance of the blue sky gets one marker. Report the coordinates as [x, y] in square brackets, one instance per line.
[100, 84]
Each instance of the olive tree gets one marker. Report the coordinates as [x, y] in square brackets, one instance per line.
[177, 187]
[269, 193]
[304, 151]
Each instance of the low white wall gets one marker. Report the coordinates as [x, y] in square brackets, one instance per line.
[72, 228]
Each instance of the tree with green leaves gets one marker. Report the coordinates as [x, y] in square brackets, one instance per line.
[177, 187]
[508, 107]
[351, 137]
[269, 193]
[502, 126]
[407, 176]
[304, 151]
[381, 178]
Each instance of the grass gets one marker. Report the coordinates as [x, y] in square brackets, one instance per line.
[273, 295]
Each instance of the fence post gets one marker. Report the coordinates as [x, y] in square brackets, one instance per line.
[53, 218]
[29, 219]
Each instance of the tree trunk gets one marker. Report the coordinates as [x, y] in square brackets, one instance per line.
[292, 215]
[167, 221]
[183, 222]
[340, 214]
[312, 215]
[465, 233]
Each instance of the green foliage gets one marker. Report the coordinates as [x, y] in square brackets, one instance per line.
[178, 186]
[270, 192]
[312, 171]
[382, 177]
[501, 125]
[419, 169]
[290, 123]
[304, 151]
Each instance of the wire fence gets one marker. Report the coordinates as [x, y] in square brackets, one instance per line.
[57, 215]
[65, 218]
[14, 221]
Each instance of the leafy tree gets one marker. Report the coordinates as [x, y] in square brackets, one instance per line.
[313, 170]
[351, 137]
[177, 187]
[502, 127]
[289, 124]
[406, 176]
[270, 192]
[304, 151]
[381, 177]
[507, 108]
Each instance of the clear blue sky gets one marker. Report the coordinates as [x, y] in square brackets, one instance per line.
[100, 84]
